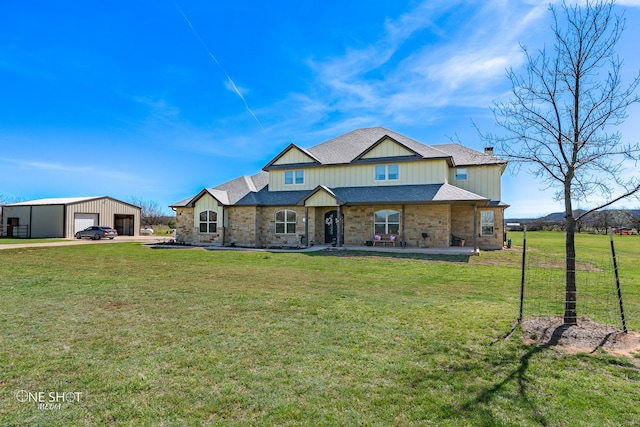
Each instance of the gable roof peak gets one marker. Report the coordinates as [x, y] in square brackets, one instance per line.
[282, 153]
[352, 145]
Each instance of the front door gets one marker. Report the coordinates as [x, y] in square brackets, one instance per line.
[331, 227]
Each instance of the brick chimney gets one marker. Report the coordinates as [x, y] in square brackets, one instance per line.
[488, 151]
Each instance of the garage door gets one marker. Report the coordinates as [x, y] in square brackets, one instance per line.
[84, 220]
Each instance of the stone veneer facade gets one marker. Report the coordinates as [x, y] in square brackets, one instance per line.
[254, 226]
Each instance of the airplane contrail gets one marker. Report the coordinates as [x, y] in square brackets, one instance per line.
[212, 56]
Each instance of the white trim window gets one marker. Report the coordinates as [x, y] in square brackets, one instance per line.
[285, 222]
[208, 222]
[461, 174]
[294, 177]
[387, 172]
[487, 221]
[386, 221]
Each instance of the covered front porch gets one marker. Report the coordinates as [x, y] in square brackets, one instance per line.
[415, 217]
[415, 227]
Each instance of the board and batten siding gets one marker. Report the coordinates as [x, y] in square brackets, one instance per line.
[294, 156]
[106, 209]
[481, 180]
[362, 175]
[206, 203]
[321, 199]
[387, 148]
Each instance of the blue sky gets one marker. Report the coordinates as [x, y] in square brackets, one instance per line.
[157, 100]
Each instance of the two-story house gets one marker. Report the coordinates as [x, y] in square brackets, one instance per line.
[347, 190]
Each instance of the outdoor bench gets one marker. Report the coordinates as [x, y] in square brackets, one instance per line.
[384, 238]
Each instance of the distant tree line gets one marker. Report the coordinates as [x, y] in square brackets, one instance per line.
[151, 213]
[598, 222]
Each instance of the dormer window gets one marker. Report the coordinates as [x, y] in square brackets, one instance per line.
[387, 173]
[461, 174]
[294, 177]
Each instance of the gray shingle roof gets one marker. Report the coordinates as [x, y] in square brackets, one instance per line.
[264, 197]
[431, 193]
[406, 194]
[239, 188]
[232, 191]
[465, 156]
[348, 147]
[182, 203]
[351, 146]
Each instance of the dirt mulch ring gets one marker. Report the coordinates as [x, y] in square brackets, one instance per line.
[585, 337]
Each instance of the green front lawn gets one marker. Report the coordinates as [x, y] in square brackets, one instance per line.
[195, 337]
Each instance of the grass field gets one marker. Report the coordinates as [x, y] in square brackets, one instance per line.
[122, 334]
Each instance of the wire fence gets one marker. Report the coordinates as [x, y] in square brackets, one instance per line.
[597, 288]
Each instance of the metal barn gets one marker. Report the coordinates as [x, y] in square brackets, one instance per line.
[62, 217]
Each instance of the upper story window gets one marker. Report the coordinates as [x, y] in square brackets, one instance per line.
[487, 219]
[285, 222]
[208, 222]
[461, 174]
[387, 172]
[294, 177]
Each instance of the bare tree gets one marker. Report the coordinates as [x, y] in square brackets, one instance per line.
[561, 117]
[634, 219]
[150, 211]
[602, 221]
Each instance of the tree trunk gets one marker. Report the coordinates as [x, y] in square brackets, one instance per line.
[570, 311]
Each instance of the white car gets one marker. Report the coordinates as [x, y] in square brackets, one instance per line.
[147, 230]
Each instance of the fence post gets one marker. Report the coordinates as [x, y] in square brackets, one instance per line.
[615, 269]
[524, 253]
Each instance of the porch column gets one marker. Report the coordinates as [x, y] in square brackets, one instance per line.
[306, 226]
[403, 243]
[340, 227]
[475, 227]
[224, 228]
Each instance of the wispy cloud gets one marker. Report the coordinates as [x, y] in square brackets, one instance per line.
[158, 110]
[629, 3]
[74, 170]
[229, 80]
[402, 75]
[49, 166]
[440, 58]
